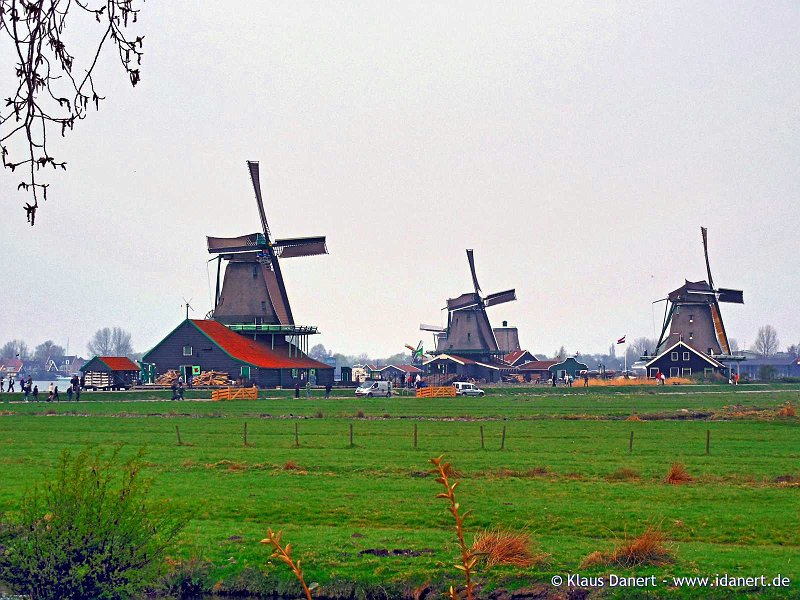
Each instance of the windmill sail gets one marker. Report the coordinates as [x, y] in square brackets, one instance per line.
[307, 246]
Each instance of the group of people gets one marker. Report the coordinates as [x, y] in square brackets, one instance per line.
[297, 386]
[178, 389]
[30, 391]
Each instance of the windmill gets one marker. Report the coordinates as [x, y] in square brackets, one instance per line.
[253, 290]
[417, 354]
[468, 330]
[692, 313]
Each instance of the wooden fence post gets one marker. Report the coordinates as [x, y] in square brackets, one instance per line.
[244, 436]
[503, 440]
[351, 435]
[178, 435]
[630, 444]
[708, 441]
[296, 437]
[415, 436]
[482, 447]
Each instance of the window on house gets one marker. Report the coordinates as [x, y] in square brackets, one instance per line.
[673, 356]
[708, 371]
[653, 372]
[674, 371]
[187, 350]
[691, 335]
[685, 356]
[687, 372]
[691, 318]
[264, 305]
[245, 372]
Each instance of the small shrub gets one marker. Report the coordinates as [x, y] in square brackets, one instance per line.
[290, 465]
[633, 417]
[319, 414]
[647, 549]
[87, 531]
[624, 474]
[787, 411]
[678, 474]
[360, 414]
[505, 547]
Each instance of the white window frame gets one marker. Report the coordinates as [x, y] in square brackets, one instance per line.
[673, 356]
[191, 350]
[653, 372]
[708, 371]
[674, 371]
[686, 356]
[686, 372]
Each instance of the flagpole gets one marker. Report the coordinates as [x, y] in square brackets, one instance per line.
[625, 347]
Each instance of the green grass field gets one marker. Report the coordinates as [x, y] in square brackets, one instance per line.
[554, 479]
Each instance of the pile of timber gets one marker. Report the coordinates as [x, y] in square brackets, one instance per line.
[168, 377]
[210, 378]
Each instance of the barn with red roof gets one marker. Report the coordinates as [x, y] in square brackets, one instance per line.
[262, 358]
[110, 372]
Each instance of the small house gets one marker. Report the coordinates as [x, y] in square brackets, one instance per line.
[517, 358]
[537, 370]
[681, 360]
[448, 367]
[110, 372]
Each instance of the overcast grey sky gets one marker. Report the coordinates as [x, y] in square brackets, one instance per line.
[577, 147]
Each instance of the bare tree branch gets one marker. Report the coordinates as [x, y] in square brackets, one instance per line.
[48, 93]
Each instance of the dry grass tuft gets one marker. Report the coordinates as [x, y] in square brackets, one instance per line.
[505, 547]
[229, 465]
[360, 414]
[633, 417]
[318, 414]
[624, 474]
[450, 471]
[787, 411]
[646, 549]
[678, 475]
[290, 465]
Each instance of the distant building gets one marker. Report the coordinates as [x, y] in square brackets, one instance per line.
[779, 366]
[449, 367]
[12, 367]
[110, 372]
[198, 345]
[681, 360]
[395, 373]
[542, 370]
[517, 358]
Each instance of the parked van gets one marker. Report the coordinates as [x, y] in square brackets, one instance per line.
[467, 389]
[374, 388]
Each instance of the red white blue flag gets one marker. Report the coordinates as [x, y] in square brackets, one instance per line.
[621, 340]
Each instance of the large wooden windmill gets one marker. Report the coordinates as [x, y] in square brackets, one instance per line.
[253, 291]
[468, 332]
[692, 314]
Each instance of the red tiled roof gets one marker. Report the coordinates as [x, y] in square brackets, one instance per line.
[538, 365]
[252, 352]
[407, 368]
[512, 357]
[119, 363]
[11, 363]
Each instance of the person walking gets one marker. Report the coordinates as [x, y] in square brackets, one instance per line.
[26, 393]
[181, 390]
[50, 390]
[2, 383]
[36, 393]
[328, 387]
[297, 388]
[55, 393]
[308, 388]
[554, 380]
[69, 394]
[585, 380]
[175, 389]
[10, 383]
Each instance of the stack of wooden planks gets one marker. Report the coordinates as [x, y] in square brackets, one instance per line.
[210, 378]
[168, 377]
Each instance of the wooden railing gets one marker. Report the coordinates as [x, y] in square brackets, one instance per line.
[446, 391]
[230, 393]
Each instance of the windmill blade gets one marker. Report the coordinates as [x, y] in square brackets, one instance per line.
[256, 179]
[243, 243]
[305, 246]
[500, 297]
[434, 328]
[732, 296]
[704, 233]
[471, 260]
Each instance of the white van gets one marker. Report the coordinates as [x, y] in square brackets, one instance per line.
[467, 389]
[374, 388]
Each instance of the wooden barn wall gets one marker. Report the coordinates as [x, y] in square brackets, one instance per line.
[169, 355]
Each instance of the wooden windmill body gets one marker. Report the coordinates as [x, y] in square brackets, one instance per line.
[692, 314]
[253, 290]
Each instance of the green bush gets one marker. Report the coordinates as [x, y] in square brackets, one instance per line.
[88, 531]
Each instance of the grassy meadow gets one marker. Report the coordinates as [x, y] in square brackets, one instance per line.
[364, 518]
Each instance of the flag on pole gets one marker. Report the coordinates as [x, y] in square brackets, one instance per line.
[621, 340]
